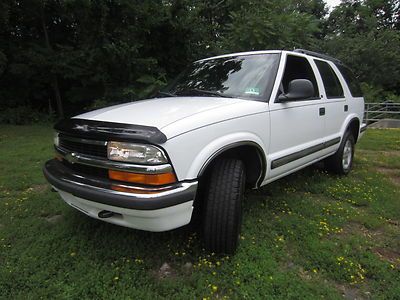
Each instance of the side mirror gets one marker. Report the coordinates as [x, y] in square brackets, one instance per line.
[298, 89]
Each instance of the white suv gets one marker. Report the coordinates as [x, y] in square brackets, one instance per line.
[227, 122]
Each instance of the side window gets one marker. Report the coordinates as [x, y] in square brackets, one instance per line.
[333, 88]
[351, 80]
[298, 68]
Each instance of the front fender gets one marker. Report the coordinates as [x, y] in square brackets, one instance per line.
[221, 144]
[190, 152]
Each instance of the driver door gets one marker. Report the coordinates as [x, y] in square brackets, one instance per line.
[297, 127]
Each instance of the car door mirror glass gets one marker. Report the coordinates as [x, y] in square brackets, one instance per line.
[298, 89]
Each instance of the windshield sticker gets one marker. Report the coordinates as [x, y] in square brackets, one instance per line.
[252, 91]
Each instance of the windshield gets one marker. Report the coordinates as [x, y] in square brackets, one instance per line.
[248, 77]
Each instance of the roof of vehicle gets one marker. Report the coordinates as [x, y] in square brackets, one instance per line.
[319, 55]
[296, 51]
[242, 54]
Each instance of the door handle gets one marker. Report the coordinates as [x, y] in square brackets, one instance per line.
[322, 111]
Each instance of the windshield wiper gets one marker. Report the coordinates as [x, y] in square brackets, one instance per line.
[166, 94]
[203, 92]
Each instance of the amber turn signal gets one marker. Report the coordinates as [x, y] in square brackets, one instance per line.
[147, 179]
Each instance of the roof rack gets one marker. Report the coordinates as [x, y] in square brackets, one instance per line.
[316, 54]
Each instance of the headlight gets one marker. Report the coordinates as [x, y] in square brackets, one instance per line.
[136, 153]
[56, 139]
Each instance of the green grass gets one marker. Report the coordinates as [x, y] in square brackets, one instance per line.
[309, 235]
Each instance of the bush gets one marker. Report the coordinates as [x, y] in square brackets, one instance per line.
[376, 94]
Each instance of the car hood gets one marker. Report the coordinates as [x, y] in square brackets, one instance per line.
[174, 115]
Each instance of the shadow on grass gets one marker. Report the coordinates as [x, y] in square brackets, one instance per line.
[181, 243]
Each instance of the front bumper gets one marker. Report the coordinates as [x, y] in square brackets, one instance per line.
[152, 209]
[363, 128]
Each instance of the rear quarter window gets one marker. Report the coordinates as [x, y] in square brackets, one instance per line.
[351, 81]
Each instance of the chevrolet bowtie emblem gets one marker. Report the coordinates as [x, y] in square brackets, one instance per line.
[82, 127]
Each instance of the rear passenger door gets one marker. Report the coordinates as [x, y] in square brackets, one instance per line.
[336, 106]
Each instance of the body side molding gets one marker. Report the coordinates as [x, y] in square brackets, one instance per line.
[279, 162]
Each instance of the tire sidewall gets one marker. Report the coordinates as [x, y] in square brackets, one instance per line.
[348, 137]
[215, 241]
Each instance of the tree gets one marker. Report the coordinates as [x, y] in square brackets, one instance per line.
[267, 24]
[366, 36]
[80, 54]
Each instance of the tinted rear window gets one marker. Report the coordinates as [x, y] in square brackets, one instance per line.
[333, 88]
[351, 80]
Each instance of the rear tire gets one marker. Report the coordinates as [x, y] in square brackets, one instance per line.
[223, 206]
[341, 162]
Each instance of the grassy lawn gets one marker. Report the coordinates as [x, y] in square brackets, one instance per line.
[310, 235]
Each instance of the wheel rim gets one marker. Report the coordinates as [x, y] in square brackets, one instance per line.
[347, 155]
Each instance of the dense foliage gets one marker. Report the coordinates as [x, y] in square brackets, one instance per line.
[64, 56]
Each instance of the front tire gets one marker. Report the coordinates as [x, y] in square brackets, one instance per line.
[342, 161]
[223, 206]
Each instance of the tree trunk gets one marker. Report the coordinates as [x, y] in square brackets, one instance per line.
[54, 79]
[57, 94]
